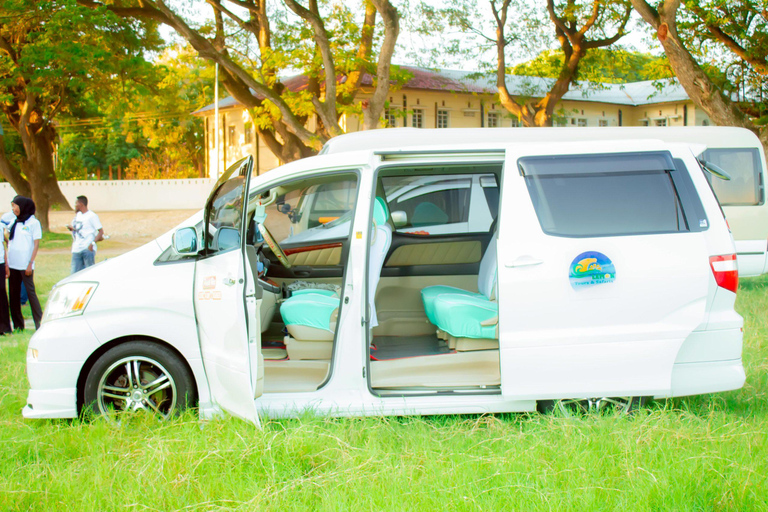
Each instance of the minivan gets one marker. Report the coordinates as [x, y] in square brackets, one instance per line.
[605, 274]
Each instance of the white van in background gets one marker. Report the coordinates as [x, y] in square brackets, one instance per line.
[736, 150]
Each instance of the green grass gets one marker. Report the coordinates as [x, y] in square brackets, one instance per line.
[700, 453]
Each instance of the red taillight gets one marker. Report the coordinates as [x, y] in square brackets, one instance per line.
[726, 271]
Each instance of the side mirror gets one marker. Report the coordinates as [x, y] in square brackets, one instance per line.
[399, 219]
[185, 241]
[227, 238]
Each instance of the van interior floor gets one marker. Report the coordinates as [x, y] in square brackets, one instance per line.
[386, 348]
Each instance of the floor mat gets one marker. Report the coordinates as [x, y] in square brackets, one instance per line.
[398, 347]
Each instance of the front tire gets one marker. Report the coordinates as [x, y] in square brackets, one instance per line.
[139, 376]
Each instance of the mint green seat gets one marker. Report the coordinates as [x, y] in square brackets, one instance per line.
[430, 293]
[319, 291]
[310, 315]
[466, 316]
[486, 283]
[310, 310]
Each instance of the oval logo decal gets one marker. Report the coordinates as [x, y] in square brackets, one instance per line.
[591, 268]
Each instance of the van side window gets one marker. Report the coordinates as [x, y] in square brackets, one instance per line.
[746, 186]
[225, 217]
[313, 210]
[442, 204]
[612, 195]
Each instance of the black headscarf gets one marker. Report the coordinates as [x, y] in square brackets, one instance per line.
[26, 210]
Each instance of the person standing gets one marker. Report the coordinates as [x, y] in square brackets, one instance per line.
[23, 243]
[86, 231]
[5, 223]
[5, 317]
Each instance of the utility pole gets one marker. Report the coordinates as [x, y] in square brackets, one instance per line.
[216, 166]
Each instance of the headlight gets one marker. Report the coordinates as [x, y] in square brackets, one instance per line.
[68, 300]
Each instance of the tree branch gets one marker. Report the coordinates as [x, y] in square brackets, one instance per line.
[325, 109]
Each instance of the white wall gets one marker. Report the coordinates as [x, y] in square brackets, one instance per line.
[104, 196]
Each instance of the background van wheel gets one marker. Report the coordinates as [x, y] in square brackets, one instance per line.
[570, 406]
[136, 376]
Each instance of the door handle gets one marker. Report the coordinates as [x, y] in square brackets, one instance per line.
[302, 271]
[228, 281]
[524, 261]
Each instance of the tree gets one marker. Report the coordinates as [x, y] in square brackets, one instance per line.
[144, 126]
[51, 53]
[521, 27]
[603, 65]
[580, 27]
[701, 88]
[325, 45]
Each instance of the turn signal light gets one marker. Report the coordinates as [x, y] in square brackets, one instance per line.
[726, 271]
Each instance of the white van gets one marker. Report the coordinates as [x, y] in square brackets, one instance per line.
[736, 150]
[606, 274]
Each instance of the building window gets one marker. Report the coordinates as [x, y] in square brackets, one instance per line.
[661, 122]
[581, 122]
[417, 119]
[493, 119]
[515, 123]
[231, 134]
[644, 122]
[705, 122]
[602, 122]
[443, 116]
[248, 134]
[389, 118]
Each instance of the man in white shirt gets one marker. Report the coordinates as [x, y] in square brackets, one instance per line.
[86, 231]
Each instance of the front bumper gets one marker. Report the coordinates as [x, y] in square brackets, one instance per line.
[55, 358]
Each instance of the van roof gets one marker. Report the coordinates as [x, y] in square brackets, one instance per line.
[400, 138]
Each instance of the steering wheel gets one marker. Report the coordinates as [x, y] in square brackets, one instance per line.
[276, 250]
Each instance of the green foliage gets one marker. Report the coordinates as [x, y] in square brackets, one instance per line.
[144, 123]
[730, 39]
[602, 65]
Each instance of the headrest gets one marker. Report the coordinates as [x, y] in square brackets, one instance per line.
[380, 211]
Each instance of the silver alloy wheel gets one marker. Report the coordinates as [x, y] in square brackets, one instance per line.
[137, 383]
[620, 405]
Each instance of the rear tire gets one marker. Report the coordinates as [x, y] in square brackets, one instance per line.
[139, 375]
[569, 407]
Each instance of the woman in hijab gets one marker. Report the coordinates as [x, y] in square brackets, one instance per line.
[23, 243]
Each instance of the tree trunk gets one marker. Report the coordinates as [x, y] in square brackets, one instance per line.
[704, 93]
[12, 174]
[40, 173]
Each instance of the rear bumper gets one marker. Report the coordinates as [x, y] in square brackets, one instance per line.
[710, 377]
[708, 362]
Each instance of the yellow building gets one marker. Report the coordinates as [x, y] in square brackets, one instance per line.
[456, 99]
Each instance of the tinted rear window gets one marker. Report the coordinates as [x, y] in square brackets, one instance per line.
[743, 165]
[605, 195]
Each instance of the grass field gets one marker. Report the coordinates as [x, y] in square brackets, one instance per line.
[701, 453]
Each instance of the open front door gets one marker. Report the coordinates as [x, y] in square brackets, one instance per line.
[230, 355]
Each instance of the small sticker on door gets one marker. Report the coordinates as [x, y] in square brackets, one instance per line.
[591, 268]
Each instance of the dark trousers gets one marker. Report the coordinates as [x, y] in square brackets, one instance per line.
[5, 317]
[18, 277]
